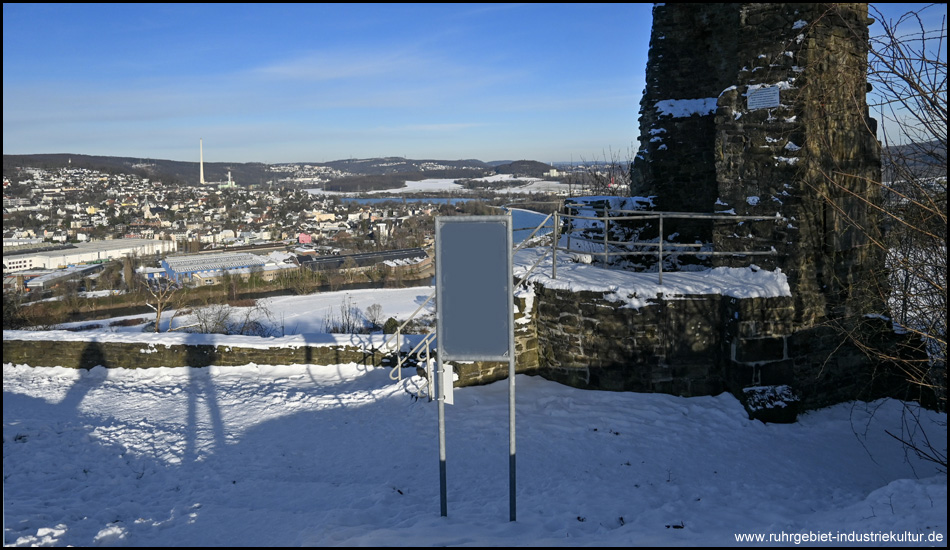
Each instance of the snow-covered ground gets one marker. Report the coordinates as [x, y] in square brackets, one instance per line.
[421, 186]
[303, 315]
[424, 186]
[519, 185]
[630, 289]
[294, 455]
[523, 185]
[284, 317]
[343, 455]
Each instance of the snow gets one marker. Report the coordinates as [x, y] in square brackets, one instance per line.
[629, 289]
[97, 293]
[788, 160]
[296, 321]
[344, 455]
[424, 186]
[542, 186]
[279, 455]
[500, 177]
[682, 108]
[783, 85]
[403, 262]
[528, 185]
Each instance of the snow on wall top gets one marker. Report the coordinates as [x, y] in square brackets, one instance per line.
[191, 339]
[638, 289]
[683, 108]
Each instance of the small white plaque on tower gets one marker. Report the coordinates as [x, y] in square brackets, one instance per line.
[763, 98]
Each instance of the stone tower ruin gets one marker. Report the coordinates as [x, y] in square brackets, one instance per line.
[759, 109]
[749, 110]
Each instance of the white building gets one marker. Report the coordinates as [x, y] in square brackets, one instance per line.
[92, 252]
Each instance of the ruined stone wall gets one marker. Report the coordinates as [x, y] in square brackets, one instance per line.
[759, 109]
[680, 345]
[86, 355]
[789, 136]
[807, 157]
[691, 60]
[669, 346]
[700, 345]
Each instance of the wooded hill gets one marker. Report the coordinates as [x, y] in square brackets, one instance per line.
[359, 174]
[168, 171]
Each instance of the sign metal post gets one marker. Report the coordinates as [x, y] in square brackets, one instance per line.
[475, 313]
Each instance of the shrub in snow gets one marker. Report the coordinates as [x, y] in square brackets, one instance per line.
[771, 403]
[390, 326]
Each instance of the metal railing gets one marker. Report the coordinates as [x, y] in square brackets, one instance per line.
[424, 346]
[660, 246]
[396, 372]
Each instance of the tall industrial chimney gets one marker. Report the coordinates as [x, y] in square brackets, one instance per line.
[201, 160]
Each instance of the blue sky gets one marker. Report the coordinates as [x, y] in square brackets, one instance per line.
[280, 83]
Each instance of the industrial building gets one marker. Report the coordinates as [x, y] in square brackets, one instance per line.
[392, 259]
[57, 257]
[368, 259]
[206, 269]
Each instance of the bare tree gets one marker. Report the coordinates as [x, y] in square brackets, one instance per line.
[128, 273]
[212, 319]
[230, 283]
[374, 314]
[608, 176]
[349, 269]
[907, 70]
[163, 295]
[348, 321]
[908, 67]
[254, 320]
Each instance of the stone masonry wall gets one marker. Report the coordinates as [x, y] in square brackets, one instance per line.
[711, 143]
[691, 60]
[86, 355]
[587, 341]
[807, 157]
[759, 109]
[698, 345]
[687, 346]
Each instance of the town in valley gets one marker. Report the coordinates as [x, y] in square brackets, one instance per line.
[84, 226]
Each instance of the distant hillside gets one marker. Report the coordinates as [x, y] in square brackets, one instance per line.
[168, 171]
[927, 159]
[530, 168]
[355, 184]
[398, 165]
[374, 173]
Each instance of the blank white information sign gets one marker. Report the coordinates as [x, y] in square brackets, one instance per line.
[474, 287]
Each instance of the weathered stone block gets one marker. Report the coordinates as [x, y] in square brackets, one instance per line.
[759, 350]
